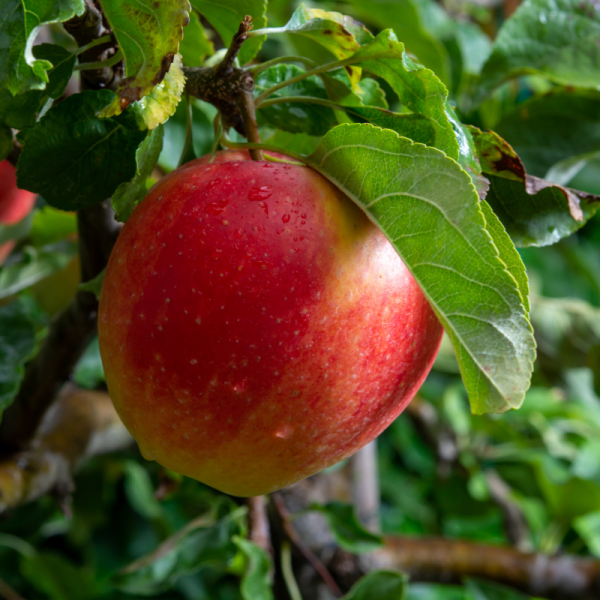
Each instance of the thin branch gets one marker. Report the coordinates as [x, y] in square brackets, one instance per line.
[316, 563]
[80, 424]
[87, 29]
[259, 523]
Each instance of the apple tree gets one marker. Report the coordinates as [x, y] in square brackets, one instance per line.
[467, 134]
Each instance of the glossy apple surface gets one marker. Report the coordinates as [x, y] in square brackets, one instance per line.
[255, 327]
[15, 204]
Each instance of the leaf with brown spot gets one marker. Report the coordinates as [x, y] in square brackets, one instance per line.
[534, 211]
[148, 34]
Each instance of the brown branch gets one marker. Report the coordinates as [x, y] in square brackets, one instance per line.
[85, 29]
[259, 532]
[68, 336]
[80, 424]
[436, 559]
[228, 88]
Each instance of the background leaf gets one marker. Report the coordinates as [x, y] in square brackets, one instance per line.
[383, 585]
[347, 531]
[554, 37]
[535, 212]
[256, 584]
[18, 322]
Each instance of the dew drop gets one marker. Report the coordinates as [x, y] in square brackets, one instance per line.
[284, 432]
[285, 218]
[260, 193]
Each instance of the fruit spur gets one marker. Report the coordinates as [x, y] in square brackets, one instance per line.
[255, 327]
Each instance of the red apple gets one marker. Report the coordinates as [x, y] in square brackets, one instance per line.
[255, 327]
[15, 204]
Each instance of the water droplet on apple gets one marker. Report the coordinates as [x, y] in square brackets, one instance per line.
[147, 454]
[260, 193]
[285, 218]
[238, 233]
[212, 184]
[303, 216]
[216, 208]
[285, 431]
[240, 387]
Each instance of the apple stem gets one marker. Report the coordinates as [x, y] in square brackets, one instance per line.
[245, 102]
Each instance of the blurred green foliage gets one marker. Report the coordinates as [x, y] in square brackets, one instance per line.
[122, 542]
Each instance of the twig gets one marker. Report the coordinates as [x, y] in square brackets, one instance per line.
[223, 84]
[288, 572]
[87, 29]
[80, 424]
[365, 486]
[316, 563]
[68, 336]
[259, 523]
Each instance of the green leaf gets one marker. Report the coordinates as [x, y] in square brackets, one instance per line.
[432, 591]
[157, 106]
[62, 68]
[314, 115]
[557, 38]
[128, 195]
[486, 590]
[21, 111]
[256, 581]
[588, 527]
[75, 159]
[51, 225]
[89, 372]
[20, 22]
[383, 585]
[404, 18]
[552, 128]
[339, 33]
[198, 544]
[347, 531]
[140, 491]
[33, 265]
[57, 578]
[17, 344]
[149, 36]
[17, 231]
[417, 88]
[477, 300]
[535, 212]
[567, 331]
[195, 46]
[295, 117]
[226, 15]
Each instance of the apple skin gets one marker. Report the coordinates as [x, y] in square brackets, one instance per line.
[15, 204]
[255, 327]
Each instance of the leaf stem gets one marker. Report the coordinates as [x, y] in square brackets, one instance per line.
[109, 62]
[97, 42]
[322, 69]
[188, 130]
[288, 573]
[282, 59]
[265, 147]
